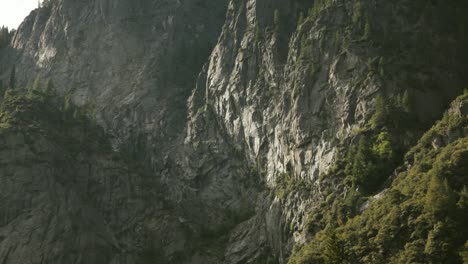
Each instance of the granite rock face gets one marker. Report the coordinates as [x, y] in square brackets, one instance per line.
[133, 63]
[213, 100]
[290, 92]
[67, 198]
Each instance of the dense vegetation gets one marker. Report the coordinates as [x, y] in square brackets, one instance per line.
[38, 109]
[420, 218]
[5, 36]
[365, 165]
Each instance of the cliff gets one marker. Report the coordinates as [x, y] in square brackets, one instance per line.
[232, 131]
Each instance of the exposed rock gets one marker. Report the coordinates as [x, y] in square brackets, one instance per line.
[283, 92]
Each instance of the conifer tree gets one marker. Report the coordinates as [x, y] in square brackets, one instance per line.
[367, 30]
[335, 250]
[379, 119]
[439, 197]
[12, 83]
[407, 102]
[37, 84]
[362, 162]
[463, 200]
[48, 87]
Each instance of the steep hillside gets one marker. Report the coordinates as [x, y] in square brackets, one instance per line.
[296, 86]
[66, 196]
[420, 217]
[133, 61]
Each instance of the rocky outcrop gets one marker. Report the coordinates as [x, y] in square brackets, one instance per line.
[291, 106]
[67, 198]
[133, 63]
[289, 89]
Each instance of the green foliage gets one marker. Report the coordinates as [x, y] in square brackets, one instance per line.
[380, 149]
[357, 12]
[393, 113]
[258, 33]
[335, 249]
[367, 30]
[462, 203]
[380, 117]
[420, 218]
[285, 185]
[12, 83]
[276, 19]
[360, 19]
[40, 89]
[377, 153]
[408, 102]
[439, 198]
[38, 112]
[306, 48]
[5, 36]
[278, 28]
[318, 6]
[464, 253]
[382, 67]
[364, 164]
[300, 20]
[314, 11]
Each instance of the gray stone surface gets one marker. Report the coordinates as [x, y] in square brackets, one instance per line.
[273, 97]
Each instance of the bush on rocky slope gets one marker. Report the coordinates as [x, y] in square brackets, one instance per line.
[421, 217]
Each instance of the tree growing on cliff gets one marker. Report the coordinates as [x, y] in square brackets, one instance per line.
[335, 249]
[439, 197]
[12, 83]
[5, 36]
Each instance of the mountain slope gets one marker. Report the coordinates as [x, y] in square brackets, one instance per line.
[66, 196]
[295, 86]
[421, 217]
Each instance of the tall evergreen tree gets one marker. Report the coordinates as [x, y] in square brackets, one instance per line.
[407, 102]
[380, 117]
[362, 165]
[37, 84]
[439, 197]
[335, 249]
[49, 87]
[12, 83]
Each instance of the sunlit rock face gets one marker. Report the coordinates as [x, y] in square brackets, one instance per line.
[212, 101]
[290, 84]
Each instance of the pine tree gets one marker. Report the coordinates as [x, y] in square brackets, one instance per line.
[37, 86]
[407, 102]
[12, 83]
[357, 12]
[49, 87]
[335, 249]
[67, 106]
[301, 19]
[362, 165]
[277, 23]
[381, 67]
[463, 200]
[383, 147]
[439, 197]
[367, 30]
[380, 117]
